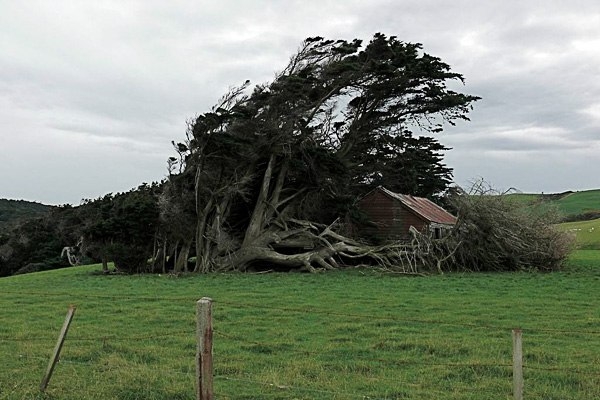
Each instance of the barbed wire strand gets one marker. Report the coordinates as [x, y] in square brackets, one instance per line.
[387, 379]
[102, 338]
[581, 368]
[370, 317]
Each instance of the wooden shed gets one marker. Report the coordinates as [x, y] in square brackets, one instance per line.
[391, 215]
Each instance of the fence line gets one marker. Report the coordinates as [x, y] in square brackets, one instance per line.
[314, 311]
[377, 379]
[363, 358]
[189, 334]
[400, 319]
[570, 368]
[103, 338]
[562, 368]
[582, 369]
[142, 366]
[593, 373]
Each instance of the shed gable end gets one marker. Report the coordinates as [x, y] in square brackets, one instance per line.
[391, 215]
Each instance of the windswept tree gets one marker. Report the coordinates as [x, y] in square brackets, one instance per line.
[274, 167]
[178, 215]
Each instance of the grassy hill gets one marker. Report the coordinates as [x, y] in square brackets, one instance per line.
[569, 204]
[352, 334]
[587, 233]
[14, 210]
[580, 202]
[581, 209]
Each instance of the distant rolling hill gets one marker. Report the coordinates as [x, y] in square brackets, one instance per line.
[580, 212]
[12, 211]
[573, 206]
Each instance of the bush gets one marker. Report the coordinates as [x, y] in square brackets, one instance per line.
[46, 265]
[495, 234]
[31, 267]
[586, 216]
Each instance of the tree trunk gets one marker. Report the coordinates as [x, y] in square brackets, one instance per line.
[201, 239]
[164, 257]
[159, 257]
[182, 259]
[256, 224]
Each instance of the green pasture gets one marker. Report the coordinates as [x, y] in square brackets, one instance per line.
[352, 334]
[580, 202]
[525, 198]
[587, 233]
[570, 204]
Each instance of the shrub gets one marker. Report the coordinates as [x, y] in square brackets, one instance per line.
[496, 234]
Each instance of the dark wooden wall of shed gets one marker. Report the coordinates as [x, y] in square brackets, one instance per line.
[391, 218]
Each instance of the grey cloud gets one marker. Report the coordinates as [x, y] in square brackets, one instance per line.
[534, 138]
[112, 83]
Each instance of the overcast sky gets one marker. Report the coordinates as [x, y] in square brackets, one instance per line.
[93, 92]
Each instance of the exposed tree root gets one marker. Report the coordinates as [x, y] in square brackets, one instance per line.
[312, 247]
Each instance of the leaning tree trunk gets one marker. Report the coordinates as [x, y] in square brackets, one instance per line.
[182, 258]
[257, 221]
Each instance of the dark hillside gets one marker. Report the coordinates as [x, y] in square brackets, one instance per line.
[16, 210]
[32, 236]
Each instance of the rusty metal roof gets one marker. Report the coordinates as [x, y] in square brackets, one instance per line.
[423, 207]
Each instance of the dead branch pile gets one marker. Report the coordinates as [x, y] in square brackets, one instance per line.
[494, 233]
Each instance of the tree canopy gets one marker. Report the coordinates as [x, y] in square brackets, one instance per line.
[275, 168]
[270, 177]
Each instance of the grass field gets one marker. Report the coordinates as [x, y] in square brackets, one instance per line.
[355, 334]
[571, 204]
[587, 233]
[580, 202]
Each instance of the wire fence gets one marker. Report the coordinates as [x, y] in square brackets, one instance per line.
[270, 361]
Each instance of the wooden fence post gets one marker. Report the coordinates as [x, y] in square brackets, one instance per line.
[204, 362]
[517, 336]
[57, 348]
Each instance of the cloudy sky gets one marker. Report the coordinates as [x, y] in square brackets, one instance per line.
[93, 92]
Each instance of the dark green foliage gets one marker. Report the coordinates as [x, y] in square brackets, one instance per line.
[12, 211]
[122, 227]
[402, 164]
[586, 216]
[339, 120]
[119, 228]
[132, 258]
[34, 244]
